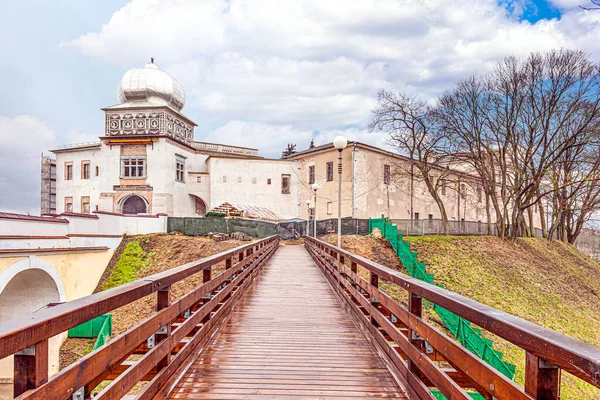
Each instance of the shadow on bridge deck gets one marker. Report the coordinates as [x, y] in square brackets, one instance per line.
[288, 337]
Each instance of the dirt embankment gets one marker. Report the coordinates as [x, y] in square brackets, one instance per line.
[549, 283]
[138, 257]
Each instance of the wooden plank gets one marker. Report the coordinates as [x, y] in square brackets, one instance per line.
[25, 331]
[482, 374]
[109, 356]
[542, 380]
[573, 356]
[262, 347]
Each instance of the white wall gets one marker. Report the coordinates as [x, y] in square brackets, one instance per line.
[130, 225]
[20, 227]
[259, 193]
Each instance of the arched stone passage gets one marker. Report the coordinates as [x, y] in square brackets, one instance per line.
[25, 287]
[134, 204]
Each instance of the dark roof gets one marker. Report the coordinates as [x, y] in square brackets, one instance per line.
[31, 217]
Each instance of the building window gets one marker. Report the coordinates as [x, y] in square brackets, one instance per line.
[85, 204]
[269, 181]
[68, 171]
[254, 180]
[199, 179]
[443, 188]
[68, 204]
[180, 169]
[85, 170]
[239, 179]
[224, 178]
[463, 190]
[479, 194]
[417, 216]
[329, 208]
[285, 183]
[386, 174]
[311, 174]
[97, 170]
[330, 171]
[133, 167]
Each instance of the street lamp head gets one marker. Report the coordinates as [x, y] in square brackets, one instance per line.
[307, 202]
[315, 186]
[340, 142]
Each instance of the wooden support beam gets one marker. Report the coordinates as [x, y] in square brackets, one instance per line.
[163, 300]
[228, 263]
[31, 367]
[542, 379]
[415, 307]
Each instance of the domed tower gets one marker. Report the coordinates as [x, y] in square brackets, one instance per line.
[150, 105]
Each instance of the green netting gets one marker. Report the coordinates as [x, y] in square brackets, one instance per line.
[92, 328]
[438, 395]
[467, 335]
[104, 333]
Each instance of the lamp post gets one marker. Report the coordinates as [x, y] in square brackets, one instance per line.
[340, 143]
[315, 187]
[307, 217]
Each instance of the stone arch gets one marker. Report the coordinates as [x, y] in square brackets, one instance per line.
[133, 204]
[26, 286]
[200, 205]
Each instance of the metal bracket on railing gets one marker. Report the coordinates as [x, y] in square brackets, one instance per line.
[165, 289]
[151, 342]
[428, 348]
[79, 394]
[374, 300]
[543, 364]
[206, 296]
[163, 330]
[187, 313]
[415, 336]
[27, 351]
[393, 318]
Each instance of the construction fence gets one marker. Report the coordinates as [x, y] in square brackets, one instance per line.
[422, 227]
[195, 226]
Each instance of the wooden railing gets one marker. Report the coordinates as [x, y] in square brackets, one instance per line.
[424, 358]
[165, 339]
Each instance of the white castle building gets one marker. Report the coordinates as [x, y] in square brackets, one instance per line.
[147, 162]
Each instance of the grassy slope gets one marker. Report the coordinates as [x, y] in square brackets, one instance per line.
[140, 256]
[551, 284]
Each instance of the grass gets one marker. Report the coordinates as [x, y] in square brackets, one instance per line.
[130, 265]
[549, 283]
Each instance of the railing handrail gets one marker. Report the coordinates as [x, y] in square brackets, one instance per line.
[25, 331]
[571, 355]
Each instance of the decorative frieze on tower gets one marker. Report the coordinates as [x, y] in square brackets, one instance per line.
[160, 122]
[151, 103]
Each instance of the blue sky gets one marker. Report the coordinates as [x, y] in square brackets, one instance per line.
[260, 73]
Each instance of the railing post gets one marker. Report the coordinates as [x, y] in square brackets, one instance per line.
[415, 307]
[542, 379]
[375, 283]
[354, 267]
[163, 300]
[241, 256]
[228, 263]
[206, 274]
[31, 367]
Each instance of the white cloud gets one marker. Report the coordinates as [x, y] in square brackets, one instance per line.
[317, 64]
[22, 140]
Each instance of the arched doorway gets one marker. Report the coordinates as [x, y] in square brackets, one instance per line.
[27, 286]
[134, 204]
[200, 206]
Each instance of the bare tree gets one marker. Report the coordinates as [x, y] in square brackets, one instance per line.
[412, 128]
[516, 124]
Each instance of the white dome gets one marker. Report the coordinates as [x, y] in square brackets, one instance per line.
[150, 84]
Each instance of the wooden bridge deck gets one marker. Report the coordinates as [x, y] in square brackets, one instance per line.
[289, 337]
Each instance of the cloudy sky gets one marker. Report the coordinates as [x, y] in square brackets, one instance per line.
[257, 72]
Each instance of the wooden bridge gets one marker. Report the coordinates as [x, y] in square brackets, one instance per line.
[287, 322]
